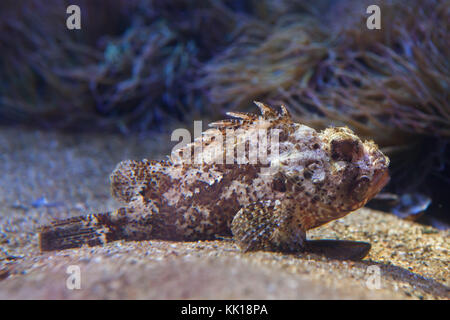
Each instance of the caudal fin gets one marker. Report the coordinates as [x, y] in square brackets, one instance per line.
[91, 230]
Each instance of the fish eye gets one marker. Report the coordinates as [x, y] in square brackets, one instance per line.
[345, 149]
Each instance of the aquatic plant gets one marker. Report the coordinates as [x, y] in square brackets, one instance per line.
[36, 54]
[128, 68]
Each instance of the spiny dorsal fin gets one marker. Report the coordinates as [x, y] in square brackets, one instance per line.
[226, 123]
[266, 111]
[242, 115]
[269, 113]
[285, 114]
[242, 118]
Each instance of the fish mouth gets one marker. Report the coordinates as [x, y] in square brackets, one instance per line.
[380, 180]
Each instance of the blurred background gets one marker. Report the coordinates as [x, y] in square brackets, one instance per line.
[146, 66]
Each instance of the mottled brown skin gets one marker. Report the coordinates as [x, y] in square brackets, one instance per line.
[315, 177]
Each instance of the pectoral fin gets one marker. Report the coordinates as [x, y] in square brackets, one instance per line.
[267, 225]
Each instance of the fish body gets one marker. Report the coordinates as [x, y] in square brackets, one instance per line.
[263, 179]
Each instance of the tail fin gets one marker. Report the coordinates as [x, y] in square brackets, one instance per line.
[92, 230]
